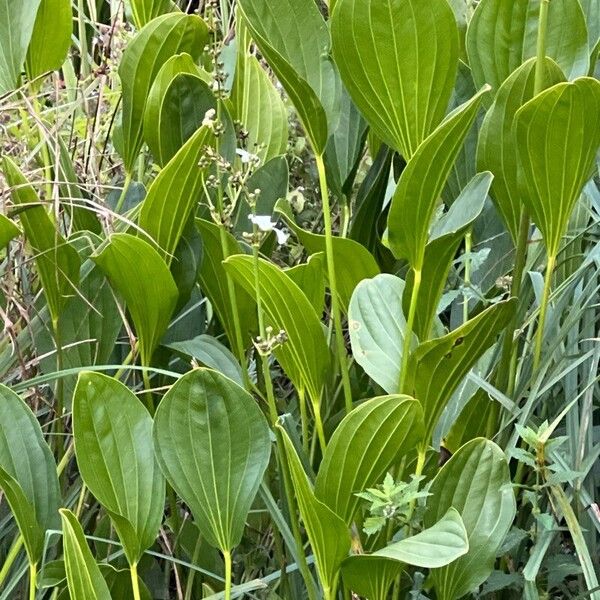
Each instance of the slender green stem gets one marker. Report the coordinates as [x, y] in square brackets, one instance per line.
[65, 459]
[148, 394]
[135, 583]
[468, 248]
[303, 419]
[538, 84]
[227, 559]
[32, 580]
[408, 332]
[335, 307]
[81, 500]
[11, 557]
[84, 67]
[543, 310]
[123, 193]
[59, 391]
[319, 426]
[421, 456]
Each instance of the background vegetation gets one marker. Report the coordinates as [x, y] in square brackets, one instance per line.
[300, 299]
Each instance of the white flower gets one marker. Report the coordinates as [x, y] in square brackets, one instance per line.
[245, 156]
[264, 223]
[209, 118]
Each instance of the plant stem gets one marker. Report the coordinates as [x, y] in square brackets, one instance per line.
[335, 307]
[32, 580]
[319, 426]
[11, 557]
[543, 310]
[303, 419]
[408, 332]
[538, 84]
[123, 193]
[468, 248]
[59, 391]
[84, 66]
[227, 559]
[148, 394]
[135, 584]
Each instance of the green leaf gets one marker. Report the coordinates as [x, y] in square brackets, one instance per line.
[211, 353]
[422, 181]
[497, 149]
[8, 230]
[327, 533]
[591, 10]
[17, 19]
[493, 57]
[294, 38]
[434, 547]
[305, 354]
[115, 455]
[212, 443]
[213, 280]
[257, 104]
[476, 482]
[173, 195]
[176, 105]
[353, 261]
[437, 367]
[143, 58]
[27, 472]
[558, 134]
[445, 237]
[376, 324]
[136, 270]
[310, 278]
[83, 575]
[57, 262]
[385, 429]
[143, 11]
[51, 37]
[398, 60]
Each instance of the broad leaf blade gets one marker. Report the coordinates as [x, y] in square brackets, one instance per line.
[115, 455]
[476, 482]
[17, 19]
[558, 134]
[437, 367]
[83, 575]
[376, 324]
[497, 150]
[8, 230]
[212, 443]
[385, 429]
[57, 262]
[422, 181]
[173, 195]
[140, 275]
[51, 37]
[305, 354]
[327, 533]
[28, 472]
[494, 57]
[160, 39]
[144, 11]
[398, 60]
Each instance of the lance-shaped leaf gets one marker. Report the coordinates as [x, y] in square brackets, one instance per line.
[257, 104]
[176, 106]
[437, 546]
[27, 473]
[353, 261]
[294, 38]
[162, 38]
[8, 230]
[503, 34]
[143, 11]
[51, 37]
[138, 272]
[309, 277]
[398, 60]
[376, 324]
[305, 354]
[558, 134]
[497, 149]
[57, 262]
[17, 19]
[173, 195]
[476, 482]
[421, 183]
[591, 10]
[437, 367]
[327, 533]
[444, 238]
[84, 578]
[212, 443]
[115, 455]
[385, 429]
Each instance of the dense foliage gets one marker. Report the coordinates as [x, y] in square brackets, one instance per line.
[300, 299]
